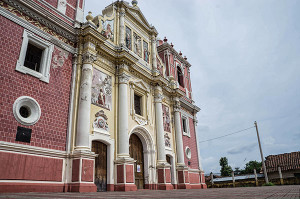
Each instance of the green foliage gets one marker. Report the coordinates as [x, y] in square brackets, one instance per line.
[237, 171]
[250, 166]
[225, 168]
[268, 184]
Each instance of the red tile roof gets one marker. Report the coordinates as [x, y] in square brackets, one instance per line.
[286, 161]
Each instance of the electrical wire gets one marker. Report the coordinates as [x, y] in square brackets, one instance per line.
[227, 134]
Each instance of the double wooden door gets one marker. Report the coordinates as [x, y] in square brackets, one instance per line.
[136, 152]
[100, 165]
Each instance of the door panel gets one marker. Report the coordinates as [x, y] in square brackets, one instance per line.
[100, 165]
[136, 152]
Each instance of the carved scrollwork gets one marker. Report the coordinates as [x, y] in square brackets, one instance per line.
[122, 12]
[89, 58]
[158, 98]
[123, 78]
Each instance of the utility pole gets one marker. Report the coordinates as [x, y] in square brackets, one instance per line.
[262, 156]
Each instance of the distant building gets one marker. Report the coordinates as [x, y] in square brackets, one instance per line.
[289, 164]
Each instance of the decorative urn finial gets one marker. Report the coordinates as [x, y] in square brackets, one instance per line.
[180, 53]
[134, 2]
[165, 39]
[89, 17]
[172, 44]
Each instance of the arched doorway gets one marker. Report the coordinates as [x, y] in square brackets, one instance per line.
[100, 165]
[136, 152]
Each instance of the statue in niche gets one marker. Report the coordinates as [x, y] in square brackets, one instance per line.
[101, 121]
[137, 45]
[128, 38]
[167, 140]
[146, 52]
[101, 89]
[166, 118]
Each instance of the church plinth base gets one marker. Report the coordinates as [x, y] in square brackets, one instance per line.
[125, 187]
[203, 186]
[165, 187]
[82, 187]
[184, 186]
[125, 174]
[164, 178]
[151, 186]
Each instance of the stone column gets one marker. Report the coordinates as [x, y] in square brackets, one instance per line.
[201, 173]
[124, 165]
[123, 138]
[182, 169]
[82, 157]
[84, 105]
[122, 27]
[178, 133]
[163, 168]
[161, 154]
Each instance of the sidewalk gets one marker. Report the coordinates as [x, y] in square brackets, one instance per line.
[232, 193]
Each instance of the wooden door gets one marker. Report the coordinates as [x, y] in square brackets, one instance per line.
[100, 165]
[136, 152]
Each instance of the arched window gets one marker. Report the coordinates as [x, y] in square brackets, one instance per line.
[180, 76]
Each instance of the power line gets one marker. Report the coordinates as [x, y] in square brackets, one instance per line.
[227, 134]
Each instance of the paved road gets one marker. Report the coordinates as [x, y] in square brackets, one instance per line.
[232, 193]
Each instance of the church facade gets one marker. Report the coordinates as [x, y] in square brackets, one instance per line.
[95, 105]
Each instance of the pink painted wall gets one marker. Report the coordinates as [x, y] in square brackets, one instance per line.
[15, 166]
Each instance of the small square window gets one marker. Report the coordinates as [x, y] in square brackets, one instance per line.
[35, 56]
[137, 104]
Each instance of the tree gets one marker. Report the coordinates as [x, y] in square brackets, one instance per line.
[251, 165]
[237, 171]
[225, 168]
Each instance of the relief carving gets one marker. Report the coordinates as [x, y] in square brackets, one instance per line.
[101, 121]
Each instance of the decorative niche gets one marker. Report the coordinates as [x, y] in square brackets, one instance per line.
[139, 106]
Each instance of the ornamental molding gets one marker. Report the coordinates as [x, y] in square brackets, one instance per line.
[59, 41]
[140, 121]
[63, 28]
[31, 150]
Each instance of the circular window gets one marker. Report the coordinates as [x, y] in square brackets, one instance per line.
[188, 152]
[26, 110]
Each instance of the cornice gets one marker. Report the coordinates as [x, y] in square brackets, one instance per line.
[189, 106]
[167, 46]
[31, 150]
[37, 12]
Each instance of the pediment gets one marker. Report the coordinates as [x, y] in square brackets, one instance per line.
[136, 13]
[140, 84]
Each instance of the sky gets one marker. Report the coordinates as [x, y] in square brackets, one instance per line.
[245, 58]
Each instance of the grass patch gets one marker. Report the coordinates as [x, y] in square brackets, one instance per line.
[268, 184]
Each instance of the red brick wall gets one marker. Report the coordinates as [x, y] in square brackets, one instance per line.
[51, 130]
[192, 144]
[27, 167]
[54, 11]
[70, 12]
